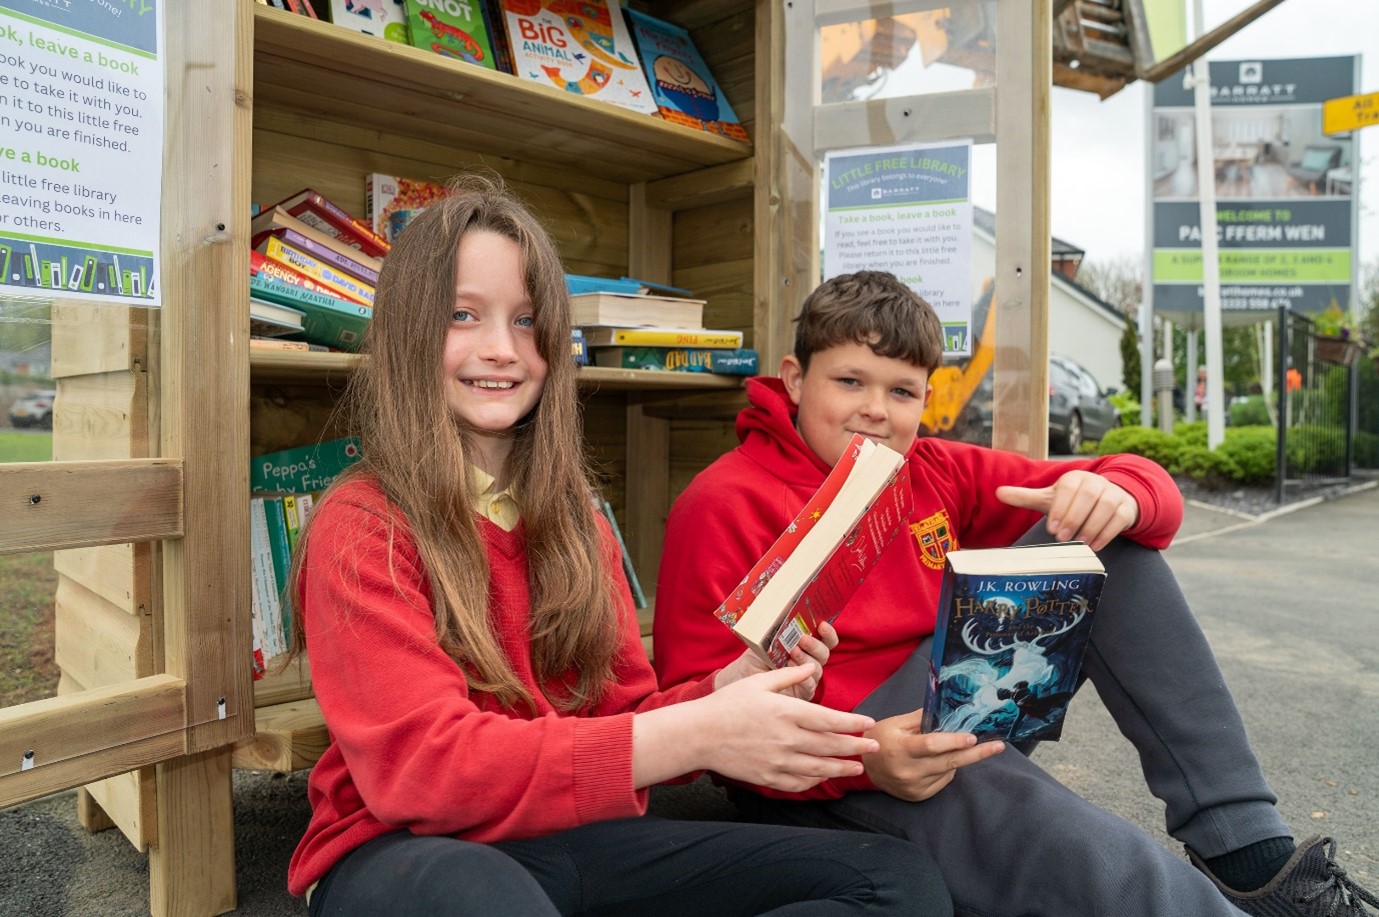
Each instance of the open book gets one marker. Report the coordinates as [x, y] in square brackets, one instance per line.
[820, 560]
[1012, 628]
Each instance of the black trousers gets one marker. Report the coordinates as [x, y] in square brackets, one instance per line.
[637, 866]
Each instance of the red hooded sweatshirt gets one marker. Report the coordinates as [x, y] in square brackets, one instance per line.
[733, 511]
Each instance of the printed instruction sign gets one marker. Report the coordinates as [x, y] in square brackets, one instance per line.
[907, 210]
[81, 148]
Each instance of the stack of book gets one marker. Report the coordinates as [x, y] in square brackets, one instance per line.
[630, 325]
[311, 257]
[284, 486]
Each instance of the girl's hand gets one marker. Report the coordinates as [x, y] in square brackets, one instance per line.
[752, 731]
[811, 652]
[1080, 504]
[914, 765]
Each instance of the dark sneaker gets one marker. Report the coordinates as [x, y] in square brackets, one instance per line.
[1310, 884]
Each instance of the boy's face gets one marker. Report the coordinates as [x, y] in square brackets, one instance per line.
[849, 389]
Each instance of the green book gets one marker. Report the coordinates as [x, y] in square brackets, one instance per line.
[282, 560]
[327, 320]
[306, 469]
[456, 29]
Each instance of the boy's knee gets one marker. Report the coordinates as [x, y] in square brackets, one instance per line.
[902, 872]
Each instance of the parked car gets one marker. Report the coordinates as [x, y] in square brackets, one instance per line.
[33, 410]
[1079, 408]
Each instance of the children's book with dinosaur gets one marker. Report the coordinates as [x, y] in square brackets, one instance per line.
[579, 46]
[457, 29]
[1013, 625]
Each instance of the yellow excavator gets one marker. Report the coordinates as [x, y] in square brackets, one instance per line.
[950, 412]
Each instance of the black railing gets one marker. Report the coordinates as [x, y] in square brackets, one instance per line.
[1316, 405]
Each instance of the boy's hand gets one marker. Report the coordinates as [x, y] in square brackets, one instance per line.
[1081, 505]
[913, 765]
[810, 651]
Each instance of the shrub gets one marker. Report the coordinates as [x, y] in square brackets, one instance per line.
[1251, 453]
[1129, 407]
[1213, 468]
[1249, 412]
[1149, 442]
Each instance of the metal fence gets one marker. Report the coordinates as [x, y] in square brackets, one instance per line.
[1317, 391]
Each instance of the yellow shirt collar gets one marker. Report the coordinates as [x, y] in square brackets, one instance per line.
[501, 508]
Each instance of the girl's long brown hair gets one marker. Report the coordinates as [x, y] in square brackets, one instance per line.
[418, 451]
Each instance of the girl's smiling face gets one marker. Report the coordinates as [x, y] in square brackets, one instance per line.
[494, 373]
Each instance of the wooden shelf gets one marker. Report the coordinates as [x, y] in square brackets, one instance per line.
[308, 66]
[287, 367]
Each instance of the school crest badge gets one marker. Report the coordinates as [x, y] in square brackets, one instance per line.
[935, 538]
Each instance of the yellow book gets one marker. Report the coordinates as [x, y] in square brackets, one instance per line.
[604, 336]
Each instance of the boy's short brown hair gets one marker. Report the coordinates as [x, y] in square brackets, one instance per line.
[872, 308]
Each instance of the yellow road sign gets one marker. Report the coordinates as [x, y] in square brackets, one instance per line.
[1350, 113]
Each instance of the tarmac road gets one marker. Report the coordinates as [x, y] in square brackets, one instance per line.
[1290, 604]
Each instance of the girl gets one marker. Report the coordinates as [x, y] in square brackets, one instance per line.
[494, 719]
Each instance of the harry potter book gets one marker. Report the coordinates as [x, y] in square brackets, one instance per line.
[817, 564]
[1012, 628]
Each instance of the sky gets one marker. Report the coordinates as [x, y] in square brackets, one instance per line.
[1098, 186]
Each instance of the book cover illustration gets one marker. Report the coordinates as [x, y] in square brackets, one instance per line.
[741, 362]
[1008, 652]
[305, 469]
[383, 18]
[451, 28]
[681, 84]
[580, 46]
[391, 202]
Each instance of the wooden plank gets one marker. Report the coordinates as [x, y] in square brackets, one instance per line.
[345, 146]
[203, 358]
[648, 491]
[1023, 79]
[714, 185]
[47, 733]
[119, 573]
[287, 737]
[786, 265]
[72, 772]
[925, 118]
[649, 238]
[439, 100]
[126, 801]
[70, 504]
[830, 12]
[102, 416]
[90, 338]
[98, 643]
[191, 867]
[279, 686]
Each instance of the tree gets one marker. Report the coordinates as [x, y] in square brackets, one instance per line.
[1118, 281]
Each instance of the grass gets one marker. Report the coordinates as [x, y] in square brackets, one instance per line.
[27, 668]
[26, 446]
[27, 583]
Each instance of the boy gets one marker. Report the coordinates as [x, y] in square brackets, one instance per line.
[1008, 838]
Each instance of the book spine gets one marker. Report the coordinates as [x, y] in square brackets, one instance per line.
[687, 359]
[264, 581]
[338, 282]
[633, 337]
[633, 583]
[282, 562]
[321, 214]
[258, 343]
[328, 255]
[276, 270]
[327, 320]
[292, 519]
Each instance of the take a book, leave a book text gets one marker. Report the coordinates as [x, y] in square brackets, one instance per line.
[818, 563]
[1012, 628]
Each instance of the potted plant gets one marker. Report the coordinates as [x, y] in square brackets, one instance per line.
[1337, 336]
